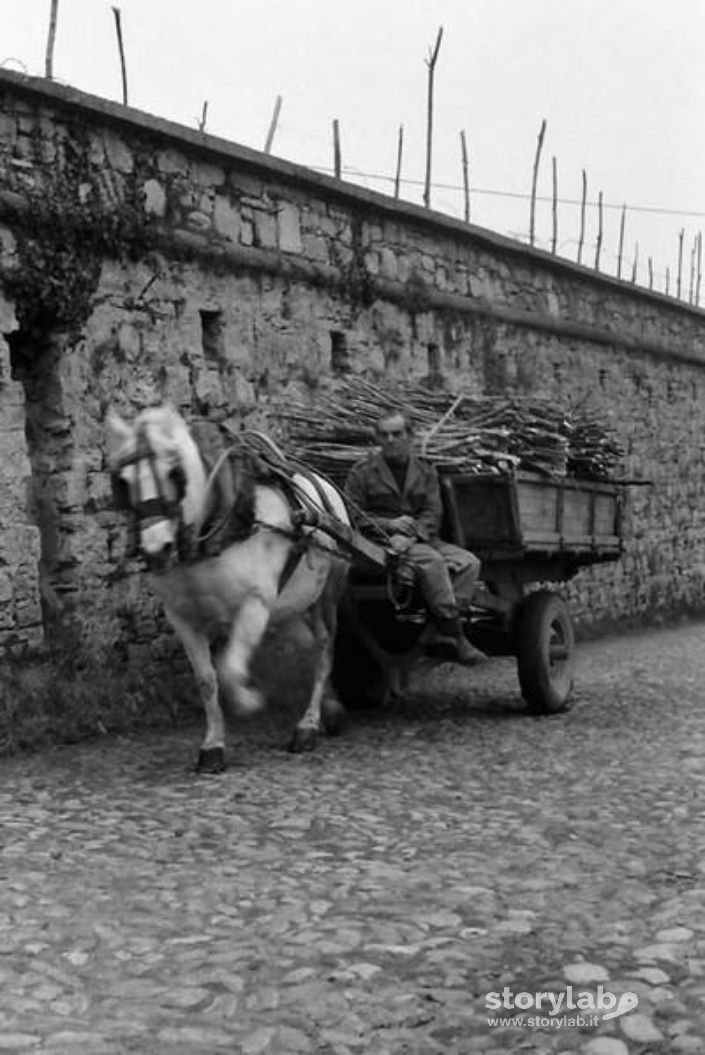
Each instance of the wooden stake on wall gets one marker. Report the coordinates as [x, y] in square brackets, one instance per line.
[121, 49]
[51, 38]
[534, 181]
[554, 210]
[699, 268]
[680, 262]
[691, 284]
[621, 241]
[204, 117]
[583, 205]
[273, 125]
[598, 244]
[337, 168]
[651, 273]
[635, 265]
[400, 146]
[668, 280]
[466, 180]
[431, 63]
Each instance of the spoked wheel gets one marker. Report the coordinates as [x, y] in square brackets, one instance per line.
[545, 652]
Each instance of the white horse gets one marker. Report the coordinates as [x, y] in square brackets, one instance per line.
[277, 569]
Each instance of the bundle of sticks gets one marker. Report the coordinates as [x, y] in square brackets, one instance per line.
[459, 433]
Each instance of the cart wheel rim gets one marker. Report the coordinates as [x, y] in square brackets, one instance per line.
[559, 653]
[545, 652]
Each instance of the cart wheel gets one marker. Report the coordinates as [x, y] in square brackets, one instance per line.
[545, 652]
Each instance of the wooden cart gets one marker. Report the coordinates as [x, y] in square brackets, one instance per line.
[531, 532]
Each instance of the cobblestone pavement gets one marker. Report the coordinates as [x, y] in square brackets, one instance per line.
[367, 898]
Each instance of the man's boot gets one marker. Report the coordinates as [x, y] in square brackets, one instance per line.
[465, 653]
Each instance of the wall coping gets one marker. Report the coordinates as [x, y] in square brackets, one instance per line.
[41, 90]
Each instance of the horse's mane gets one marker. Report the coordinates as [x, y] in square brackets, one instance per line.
[167, 429]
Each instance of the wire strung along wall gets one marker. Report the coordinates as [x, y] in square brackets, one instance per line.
[693, 281]
[695, 273]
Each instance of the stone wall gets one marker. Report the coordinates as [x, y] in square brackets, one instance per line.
[20, 548]
[141, 261]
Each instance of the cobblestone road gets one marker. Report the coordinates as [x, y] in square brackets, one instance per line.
[367, 898]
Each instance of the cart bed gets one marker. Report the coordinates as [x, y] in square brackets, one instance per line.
[511, 517]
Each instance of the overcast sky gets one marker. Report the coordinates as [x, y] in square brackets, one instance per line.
[620, 83]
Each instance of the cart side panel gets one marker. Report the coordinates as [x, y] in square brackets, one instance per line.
[540, 508]
[534, 514]
[481, 512]
[607, 514]
[578, 514]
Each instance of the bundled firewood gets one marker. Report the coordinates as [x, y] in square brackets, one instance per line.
[461, 433]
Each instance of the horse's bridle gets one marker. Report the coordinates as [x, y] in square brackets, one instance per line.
[160, 506]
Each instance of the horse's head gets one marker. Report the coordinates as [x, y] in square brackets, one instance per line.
[157, 473]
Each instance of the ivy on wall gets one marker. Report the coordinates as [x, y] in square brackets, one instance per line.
[68, 226]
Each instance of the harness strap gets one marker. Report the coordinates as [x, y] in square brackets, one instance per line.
[321, 492]
[294, 558]
[214, 475]
[229, 501]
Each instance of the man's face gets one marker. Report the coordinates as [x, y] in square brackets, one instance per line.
[394, 438]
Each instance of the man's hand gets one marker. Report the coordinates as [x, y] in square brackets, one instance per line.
[404, 525]
[401, 543]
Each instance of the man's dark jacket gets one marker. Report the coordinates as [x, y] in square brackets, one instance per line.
[371, 486]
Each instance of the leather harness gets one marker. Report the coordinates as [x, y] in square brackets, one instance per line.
[231, 516]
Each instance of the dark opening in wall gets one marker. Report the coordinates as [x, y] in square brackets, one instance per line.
[213, 335]
[434, 378]
[34, 359]
[339, 354]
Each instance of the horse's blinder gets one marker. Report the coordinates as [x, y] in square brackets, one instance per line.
[160, 507]
[121, 492]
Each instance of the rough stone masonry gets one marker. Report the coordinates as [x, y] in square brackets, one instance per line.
[142, 261]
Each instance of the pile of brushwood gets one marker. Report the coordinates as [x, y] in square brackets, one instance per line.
[459, 433]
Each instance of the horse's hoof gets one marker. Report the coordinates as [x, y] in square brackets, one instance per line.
[333, 716]
[248, 701]
[303, 740]
[211, 760]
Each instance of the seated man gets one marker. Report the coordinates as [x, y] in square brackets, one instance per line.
[400, 494]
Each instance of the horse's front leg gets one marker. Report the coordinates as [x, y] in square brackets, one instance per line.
[211, 757]
[247, 632]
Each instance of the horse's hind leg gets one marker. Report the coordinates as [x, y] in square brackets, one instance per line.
[308, 727]
[211, 757]
[323, 618]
